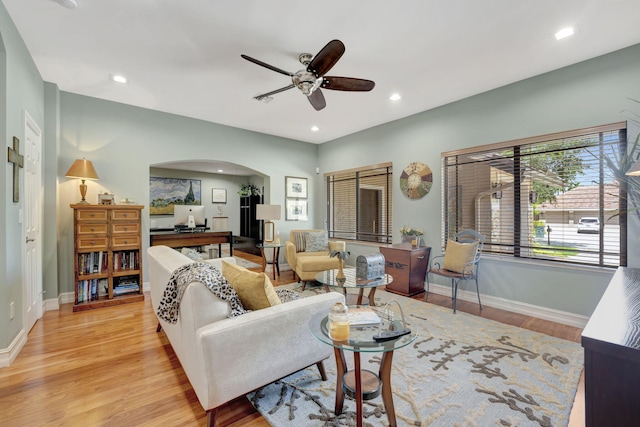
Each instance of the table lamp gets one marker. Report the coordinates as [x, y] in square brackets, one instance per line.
[82, 169]
[267, 213]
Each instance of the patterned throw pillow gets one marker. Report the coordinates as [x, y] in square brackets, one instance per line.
[299, 240]
[317, 241]
[287, 295]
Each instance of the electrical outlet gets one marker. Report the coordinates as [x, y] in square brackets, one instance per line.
[12, 310]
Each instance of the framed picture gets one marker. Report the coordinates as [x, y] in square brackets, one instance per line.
[164, 193]
[218, 195]
[105, 199]
[295, 187]
[296, 210]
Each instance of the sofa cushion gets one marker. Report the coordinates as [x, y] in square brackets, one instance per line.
[457, 255]
[316, 241]
[254, 289]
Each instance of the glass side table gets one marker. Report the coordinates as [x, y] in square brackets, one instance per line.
[358, 383]
[275, 260]
[328, 280]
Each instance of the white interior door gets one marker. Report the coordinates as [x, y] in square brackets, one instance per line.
[32, 219]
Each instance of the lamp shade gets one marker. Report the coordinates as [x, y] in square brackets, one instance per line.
[268, 212]
[635, 169]
[83, 169]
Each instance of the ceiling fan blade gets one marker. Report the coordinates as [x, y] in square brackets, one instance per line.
[347, 84]
[326, 58]
[265, 65]
[273, 92]
[317, 99]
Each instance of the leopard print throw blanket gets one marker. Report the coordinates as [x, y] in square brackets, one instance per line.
[201, 272]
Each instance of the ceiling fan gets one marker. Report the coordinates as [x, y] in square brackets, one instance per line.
[312, 78]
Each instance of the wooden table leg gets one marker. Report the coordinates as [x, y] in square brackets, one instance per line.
[358, 375]
[341, 367]
[276, 261]
[264, 260]
[387, 394]
[372, 293]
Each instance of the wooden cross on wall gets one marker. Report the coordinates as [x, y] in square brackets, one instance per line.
[17, 159]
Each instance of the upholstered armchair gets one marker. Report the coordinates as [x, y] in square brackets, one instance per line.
[307, 253]
[460, 261]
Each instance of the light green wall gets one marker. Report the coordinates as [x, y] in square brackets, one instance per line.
[124, 141]
[22, 90]
[587, 94]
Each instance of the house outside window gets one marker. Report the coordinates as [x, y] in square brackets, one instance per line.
[359, 203]
[558, 197]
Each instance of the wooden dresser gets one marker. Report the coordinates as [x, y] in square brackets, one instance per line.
[107, 255]
[408, 267]
[611, 342]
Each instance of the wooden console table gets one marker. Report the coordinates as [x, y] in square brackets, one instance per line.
[611, 342]
[188, 239]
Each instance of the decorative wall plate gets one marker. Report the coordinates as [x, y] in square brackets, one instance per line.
[416, 180]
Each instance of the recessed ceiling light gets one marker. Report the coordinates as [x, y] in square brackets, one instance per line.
[315, 128]
[395, 97]
[220, 170]
[118, 78]
[565, 32]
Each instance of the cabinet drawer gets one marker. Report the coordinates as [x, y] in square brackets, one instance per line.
[125, 241]
[125, 228]
[125, 214]
[92, 243]
[86, 228]
[91, 215]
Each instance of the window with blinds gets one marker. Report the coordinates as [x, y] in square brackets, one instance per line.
[559, 197]
[359, 204]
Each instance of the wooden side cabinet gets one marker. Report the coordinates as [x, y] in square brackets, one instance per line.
[408, 267]
[611, 342]
[107, 255]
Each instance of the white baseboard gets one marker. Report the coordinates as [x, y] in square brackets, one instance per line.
[8, 355]
[51, 304]
[563, 317]
[66, 297]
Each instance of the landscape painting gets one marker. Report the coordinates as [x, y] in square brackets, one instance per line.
[164, 193]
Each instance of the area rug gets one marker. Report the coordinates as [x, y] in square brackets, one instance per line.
[462, 370]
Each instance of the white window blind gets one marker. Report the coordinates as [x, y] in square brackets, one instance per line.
[528, 196]
[359, 203]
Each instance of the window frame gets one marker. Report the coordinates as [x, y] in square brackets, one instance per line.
[452, 205]
[384, 236]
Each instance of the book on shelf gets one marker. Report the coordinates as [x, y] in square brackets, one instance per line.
[363, 316]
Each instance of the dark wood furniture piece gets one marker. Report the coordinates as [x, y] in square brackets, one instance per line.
[611, 342]
[275, 259]
[250, 227]
[107, 255]
[408, 267]
[188, 239]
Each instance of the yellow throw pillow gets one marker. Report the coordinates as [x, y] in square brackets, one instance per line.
[457, 255]
[254, 289]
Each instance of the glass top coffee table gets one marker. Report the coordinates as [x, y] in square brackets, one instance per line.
[357, 383]
[328, 280]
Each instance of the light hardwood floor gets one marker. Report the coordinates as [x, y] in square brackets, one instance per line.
[110, 367]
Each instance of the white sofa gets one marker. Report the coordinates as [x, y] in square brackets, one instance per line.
[225, 358]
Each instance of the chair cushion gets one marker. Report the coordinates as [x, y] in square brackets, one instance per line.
[457, 255]
[254, 289]
[316, 241]
[316, 263]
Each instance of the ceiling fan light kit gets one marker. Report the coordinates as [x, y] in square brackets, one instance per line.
[310, 79]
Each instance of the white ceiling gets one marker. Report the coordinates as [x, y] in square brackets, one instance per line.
[183, 56]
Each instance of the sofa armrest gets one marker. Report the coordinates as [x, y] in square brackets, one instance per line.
[246, 352]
